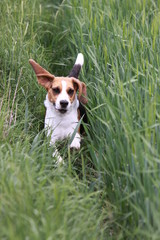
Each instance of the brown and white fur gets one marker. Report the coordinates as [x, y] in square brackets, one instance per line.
[62, 102]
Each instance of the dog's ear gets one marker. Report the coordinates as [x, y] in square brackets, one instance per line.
[81, 86]
[44, 78]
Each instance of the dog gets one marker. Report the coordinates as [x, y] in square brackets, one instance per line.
[64, 107]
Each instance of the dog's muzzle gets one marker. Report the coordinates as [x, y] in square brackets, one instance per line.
[63, 106]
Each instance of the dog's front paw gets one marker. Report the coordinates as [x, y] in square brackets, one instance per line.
[75, 143]
[58, 157]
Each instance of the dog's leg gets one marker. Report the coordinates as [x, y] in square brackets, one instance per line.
[76, 142]
[56, 153]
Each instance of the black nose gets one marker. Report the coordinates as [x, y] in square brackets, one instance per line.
[64, 103]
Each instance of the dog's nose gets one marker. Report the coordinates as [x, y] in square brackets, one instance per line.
[64, 103]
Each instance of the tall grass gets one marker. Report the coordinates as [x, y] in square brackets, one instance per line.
[39, 200]
[120, 40]
[110, 189]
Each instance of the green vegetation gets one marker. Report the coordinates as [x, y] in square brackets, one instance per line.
[110, 189]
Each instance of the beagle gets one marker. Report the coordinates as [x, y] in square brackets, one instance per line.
[62, 102]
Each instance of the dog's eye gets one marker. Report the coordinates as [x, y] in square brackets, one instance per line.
[56, 90]
[70, 92]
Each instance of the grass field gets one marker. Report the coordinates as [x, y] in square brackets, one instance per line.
[110, 189]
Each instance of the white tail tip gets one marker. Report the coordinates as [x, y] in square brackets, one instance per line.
[80, 59]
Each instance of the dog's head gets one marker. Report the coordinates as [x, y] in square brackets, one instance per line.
[61, 90]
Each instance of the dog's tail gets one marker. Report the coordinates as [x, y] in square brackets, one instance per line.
[77, 66]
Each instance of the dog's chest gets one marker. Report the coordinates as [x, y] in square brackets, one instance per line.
[58, 125]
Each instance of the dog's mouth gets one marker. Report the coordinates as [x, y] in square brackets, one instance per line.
[62, 110]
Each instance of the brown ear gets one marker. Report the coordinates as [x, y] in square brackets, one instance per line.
[43, 76]
[82, 95]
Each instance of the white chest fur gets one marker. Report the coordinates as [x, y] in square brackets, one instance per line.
[60, 126]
